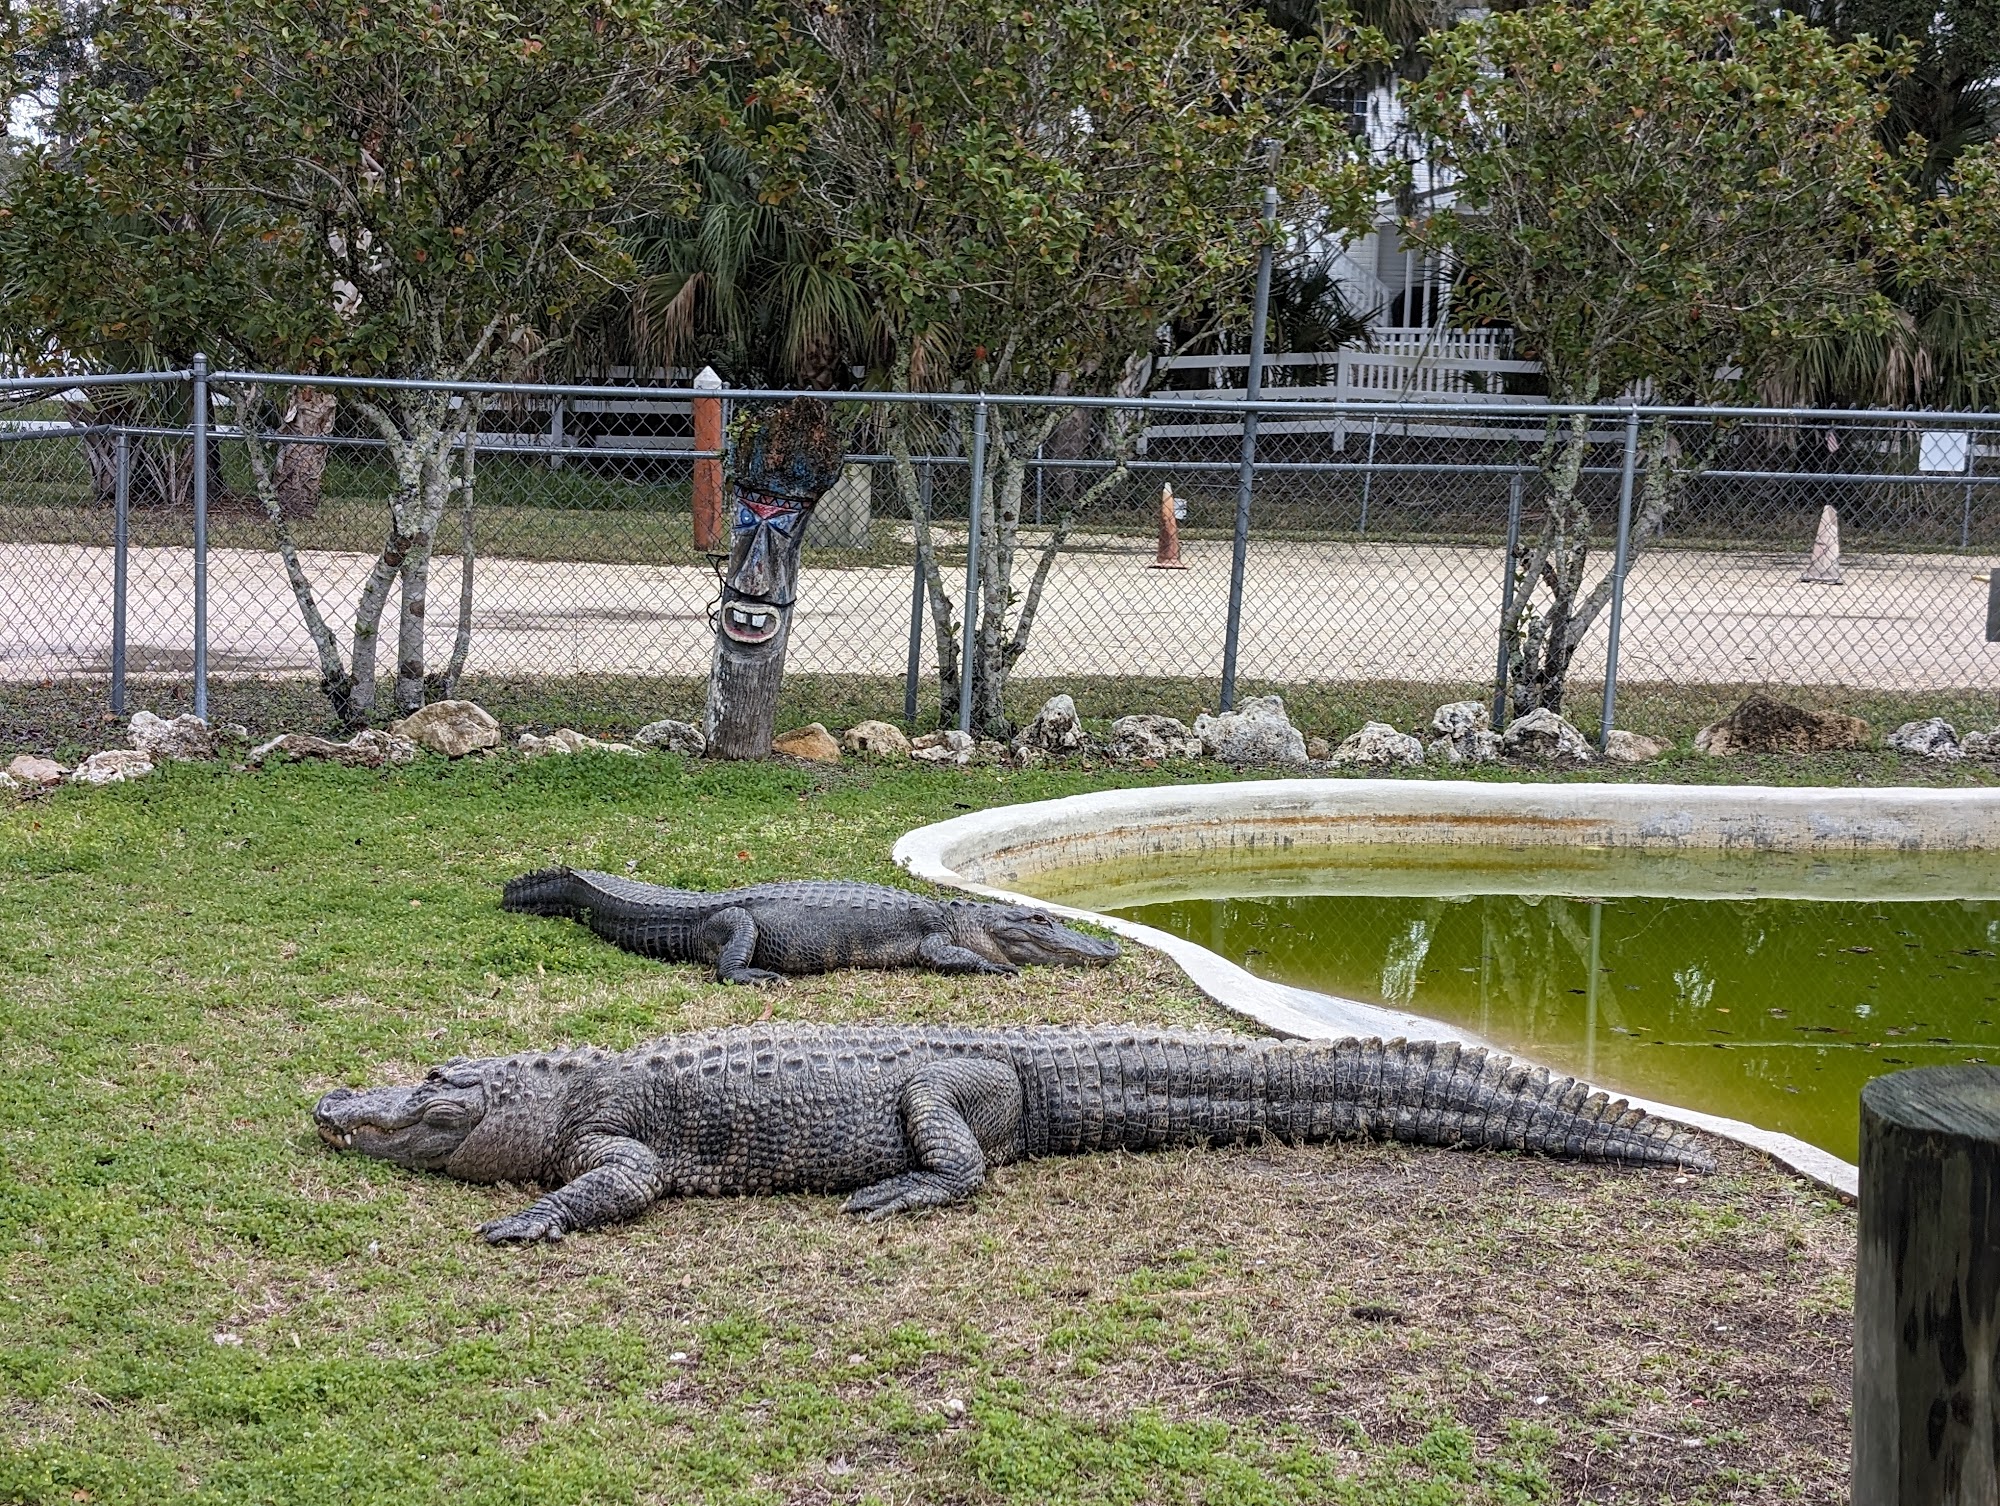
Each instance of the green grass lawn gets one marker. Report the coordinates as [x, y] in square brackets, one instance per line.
[202, 1303]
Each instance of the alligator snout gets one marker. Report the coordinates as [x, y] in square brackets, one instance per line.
[345, 1110]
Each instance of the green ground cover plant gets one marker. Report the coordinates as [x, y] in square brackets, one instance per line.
[198, 1302]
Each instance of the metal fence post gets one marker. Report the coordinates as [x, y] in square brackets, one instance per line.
[201, 537]
[1253, 389]
[121, 539]
[916, 604]
[1971, 465]
[978, 490]
[1618, 576]
[1368, 475]
[1507, 602]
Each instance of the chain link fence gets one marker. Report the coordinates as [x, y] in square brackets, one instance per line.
[1374, 567]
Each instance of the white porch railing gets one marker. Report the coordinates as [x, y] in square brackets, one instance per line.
[1468, 366]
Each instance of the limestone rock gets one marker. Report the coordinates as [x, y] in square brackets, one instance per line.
[1480, 745]
[453, 728]
[185, 739]
[8, 783]
[953, 747]
[811, 742]
[1257, 733]
[1457, 718]
[876, 740]
[395, 748]
[1543, 734]
[368, 749]
[1464, 733]
[1981, 744]
[1632, 747]
[1762, 725]
[1377, 745]
[670, 736]
[1318, 749]
[1933, 738]
[569, 740]
[1134, 738]
[1056, 728]
[113, 766]
[31, 770]
[1025, 757]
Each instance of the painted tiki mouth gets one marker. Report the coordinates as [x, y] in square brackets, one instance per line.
[752, 621]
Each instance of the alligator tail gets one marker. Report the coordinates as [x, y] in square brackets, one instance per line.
[1441, 1094]
[546, 891]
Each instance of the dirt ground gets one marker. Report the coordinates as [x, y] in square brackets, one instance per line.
[1312, 611]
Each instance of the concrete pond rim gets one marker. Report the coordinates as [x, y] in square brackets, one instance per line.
[994, 852]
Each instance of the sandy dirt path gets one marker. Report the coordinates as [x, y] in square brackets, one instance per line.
[1312, 611]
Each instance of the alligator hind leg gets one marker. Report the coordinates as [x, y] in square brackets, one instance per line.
[960, 1117]
[733, 935]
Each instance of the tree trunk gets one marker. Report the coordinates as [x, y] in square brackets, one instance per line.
[444, 685]
[334, 679]
[1000, 540]
[944, 623]
[416, 580]
[368, 626]
[742, 711]
[301, 468]
[1545, 638]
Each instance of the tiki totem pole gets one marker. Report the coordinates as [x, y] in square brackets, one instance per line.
[780, 462]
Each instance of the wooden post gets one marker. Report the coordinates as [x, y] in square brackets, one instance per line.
[1168, 555]
[1927, 1290]
[708, 472]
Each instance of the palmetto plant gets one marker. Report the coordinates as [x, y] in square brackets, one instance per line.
[735, 283]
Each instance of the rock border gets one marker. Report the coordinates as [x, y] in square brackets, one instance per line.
[987, 851]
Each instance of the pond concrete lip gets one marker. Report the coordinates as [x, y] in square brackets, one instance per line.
[990, 852]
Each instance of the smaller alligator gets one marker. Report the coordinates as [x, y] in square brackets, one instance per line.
[762, 933]
[908, 1117]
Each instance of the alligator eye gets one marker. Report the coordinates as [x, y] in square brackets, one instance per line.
[445, 1114]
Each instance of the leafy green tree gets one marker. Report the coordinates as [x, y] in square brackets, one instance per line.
[1959, 258]
[1026, 195]
[381, 188]
[1945, 103]
[1662, 197]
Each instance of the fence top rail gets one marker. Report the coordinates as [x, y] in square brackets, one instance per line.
[13, 385]
[1269, 403]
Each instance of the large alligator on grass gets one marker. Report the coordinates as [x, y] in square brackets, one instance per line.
[909, 1117]
[760, 934]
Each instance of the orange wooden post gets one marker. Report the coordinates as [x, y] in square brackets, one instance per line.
[1168, 556]
[708, 534]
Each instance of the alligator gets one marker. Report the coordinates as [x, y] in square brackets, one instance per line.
[910, 1117]
[760, 934]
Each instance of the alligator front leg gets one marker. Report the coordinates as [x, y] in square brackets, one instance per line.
[615, 1179]
[946, 956]
[957, 1115]
[733, 936]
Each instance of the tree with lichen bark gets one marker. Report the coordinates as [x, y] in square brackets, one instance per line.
[1027, 196]
[1664, 198]
[404, 189]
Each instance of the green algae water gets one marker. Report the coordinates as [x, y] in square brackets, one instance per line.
[1765, 987]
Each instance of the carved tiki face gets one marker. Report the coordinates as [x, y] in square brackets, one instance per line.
[779, 465]
[761, 581]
